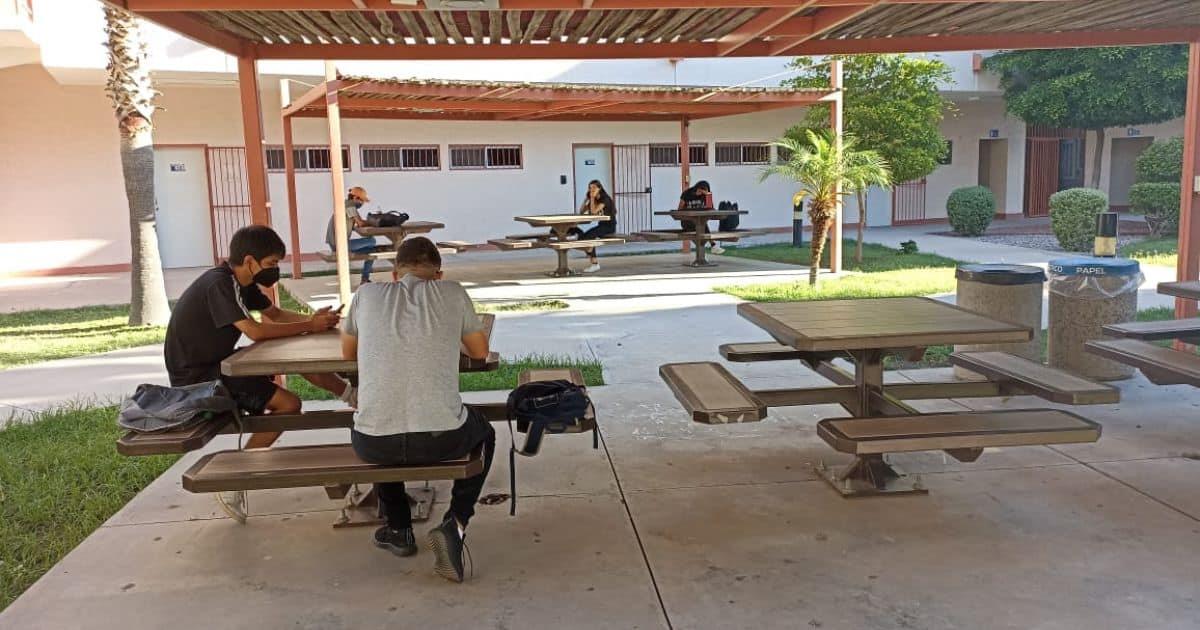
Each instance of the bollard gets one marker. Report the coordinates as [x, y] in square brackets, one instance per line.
[798, 221]
[1105, 245]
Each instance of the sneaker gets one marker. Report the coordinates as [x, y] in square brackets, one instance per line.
[234, 504]
[398, 541]
[593, 268]
[447, 546]
[717, 249]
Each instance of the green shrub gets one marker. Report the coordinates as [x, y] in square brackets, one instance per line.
[971, 210]
[1073, 216]
[1159, 202]
[1162, 161]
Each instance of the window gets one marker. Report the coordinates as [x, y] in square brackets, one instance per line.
[731, 153]
[308, 159]
[485, 156]
[400, 158]
[668, 154]
[783, 154]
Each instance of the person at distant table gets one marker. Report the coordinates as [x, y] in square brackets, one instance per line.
[356, 198]
[698, 197]
[597, 202]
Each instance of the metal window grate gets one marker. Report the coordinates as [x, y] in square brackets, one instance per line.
[669, 154]
[308, 159]
[400, 158]
[466, 157]
[737, 153]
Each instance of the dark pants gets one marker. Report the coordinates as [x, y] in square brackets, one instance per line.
[600, 230]
[429, 448]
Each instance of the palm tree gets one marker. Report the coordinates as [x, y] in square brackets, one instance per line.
[825, 171]
[132, 96]
[871, 177]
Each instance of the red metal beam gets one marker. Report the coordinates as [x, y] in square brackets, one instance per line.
[252, 131]
[314, 95]
[757, 26]
[835, 124]
[152, 6]
[289, 170]
[1010, 41]
[196, 29]
[824, 21]
[1189, 208]
[553, 96]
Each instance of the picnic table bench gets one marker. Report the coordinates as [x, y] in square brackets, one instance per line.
[881, 422]
[556, 238]
[699, 235]
[1162, 366]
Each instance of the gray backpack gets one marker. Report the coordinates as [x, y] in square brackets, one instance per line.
[155, 409]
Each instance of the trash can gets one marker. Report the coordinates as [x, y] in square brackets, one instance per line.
[1012, 293]
[1087, 294]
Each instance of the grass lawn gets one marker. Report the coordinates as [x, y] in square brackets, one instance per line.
[42, 335]
[1154, 251]
[60, 479]
[884, 272]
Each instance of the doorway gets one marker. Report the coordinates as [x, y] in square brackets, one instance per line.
[592, 161]
[1121, 168]
[181, 194]
[993, 169]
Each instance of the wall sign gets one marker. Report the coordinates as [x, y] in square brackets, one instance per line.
[589, 162]
[1133, 132]
[993, 133]
[178, 167]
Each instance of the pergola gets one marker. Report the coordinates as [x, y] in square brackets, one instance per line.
[417, 99]
[612, 29]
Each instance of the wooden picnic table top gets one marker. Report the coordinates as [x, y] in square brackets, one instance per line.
[701, 214]
[878, 324]
[1186, 290]
[316, 353]
[409, 227]
[546, 220]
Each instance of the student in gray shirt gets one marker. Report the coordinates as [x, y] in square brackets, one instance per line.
[406, 336]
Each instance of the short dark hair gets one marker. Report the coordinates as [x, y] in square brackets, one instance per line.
[418, 251]
[256, 241]
[703, 184]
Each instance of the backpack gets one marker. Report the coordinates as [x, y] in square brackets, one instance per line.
[155, 409]
[542, 407]
[387, 219]
[729, 223]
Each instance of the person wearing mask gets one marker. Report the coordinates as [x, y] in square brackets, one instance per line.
[406, 337]
[597, 202]
[356, 198]
[698, 197]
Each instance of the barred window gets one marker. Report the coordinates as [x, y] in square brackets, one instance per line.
[669, 154]
[504, 156]
[400, 158]
[308, 159]
[733, 153]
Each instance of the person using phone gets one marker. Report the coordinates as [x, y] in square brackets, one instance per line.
[356, 199]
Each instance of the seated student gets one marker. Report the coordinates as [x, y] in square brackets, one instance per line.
[407, 337]
[356, 198]
[598, 201]
[215, 311]
[696, 198]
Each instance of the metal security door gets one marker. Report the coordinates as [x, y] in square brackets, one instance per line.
[631, 187]
[908, 202]
[228, 195]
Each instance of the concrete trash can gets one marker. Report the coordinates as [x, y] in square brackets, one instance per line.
[1085, 295]
[1012, 293]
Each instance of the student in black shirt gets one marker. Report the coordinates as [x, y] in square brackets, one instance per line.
[215, 311]
[598, 201]
[696, 198]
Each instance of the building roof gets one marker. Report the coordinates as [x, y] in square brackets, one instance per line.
[591, 29]
[366, 97]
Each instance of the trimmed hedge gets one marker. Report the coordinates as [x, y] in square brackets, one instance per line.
[1073, 216]
[1162, 161]
[971, 210]
[1159, 202]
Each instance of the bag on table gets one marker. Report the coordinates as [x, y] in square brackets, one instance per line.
[542, 407]
[387, 219]
[155, 408]
[729, 223]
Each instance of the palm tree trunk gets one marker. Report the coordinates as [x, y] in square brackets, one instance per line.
[1097, 159]
[862, 222]
[820, 229]
[148, 294]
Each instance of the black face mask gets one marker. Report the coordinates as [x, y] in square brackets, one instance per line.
[267, 276]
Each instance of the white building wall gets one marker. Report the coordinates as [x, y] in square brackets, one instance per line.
[1160, 131]
[976, 120]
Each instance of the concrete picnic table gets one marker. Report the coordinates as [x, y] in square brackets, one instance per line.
[400, 232]
[560, 226]
[700, 219]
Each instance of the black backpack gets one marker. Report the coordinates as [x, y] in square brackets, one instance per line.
[387, 219]
[157, 409]
[729, 223]
[542, 407]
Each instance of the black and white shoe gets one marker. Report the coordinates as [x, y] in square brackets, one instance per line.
[398, 541]
[447, 546]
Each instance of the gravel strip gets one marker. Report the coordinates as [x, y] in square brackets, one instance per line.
[1039, 241]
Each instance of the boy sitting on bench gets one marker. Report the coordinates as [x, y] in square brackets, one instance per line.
[409, 409]
[215, 311]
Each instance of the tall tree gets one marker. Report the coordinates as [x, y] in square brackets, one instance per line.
[1093, 88]
[132, 95]
[821, 168]
[891, 103]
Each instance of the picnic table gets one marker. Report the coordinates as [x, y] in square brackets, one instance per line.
[556, 238]
[1135, 343]
[864, 331]
[400, 232]
[700, 234]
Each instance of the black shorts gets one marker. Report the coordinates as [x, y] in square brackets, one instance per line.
[251, 393]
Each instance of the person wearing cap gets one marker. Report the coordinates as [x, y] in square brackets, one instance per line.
[356, 198]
